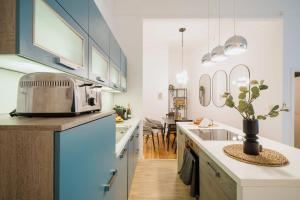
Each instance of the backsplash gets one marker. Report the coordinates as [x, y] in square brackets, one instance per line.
[8, 92]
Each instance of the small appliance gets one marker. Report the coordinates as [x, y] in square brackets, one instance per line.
[56, 94]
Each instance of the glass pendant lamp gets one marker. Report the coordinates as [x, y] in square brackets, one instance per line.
[218, 53]
[182, 77]
[236, 44]
[206, 59]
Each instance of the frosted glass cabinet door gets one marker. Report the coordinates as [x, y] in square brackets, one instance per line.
[123, 83]
[53, 34]
[49, 35]
[114, 76]
[99, 64]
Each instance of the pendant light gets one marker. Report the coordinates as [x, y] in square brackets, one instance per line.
[206, 59]
[218, 53]
[182, 77]
[236, 44]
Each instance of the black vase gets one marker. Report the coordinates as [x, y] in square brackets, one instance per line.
[251, 145]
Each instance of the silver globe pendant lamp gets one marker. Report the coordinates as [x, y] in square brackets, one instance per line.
[218, 53]
[236, 44]
[182, 77]
[206, 59]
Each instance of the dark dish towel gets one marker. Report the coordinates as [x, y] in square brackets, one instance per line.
[187, 167]
[189, 172]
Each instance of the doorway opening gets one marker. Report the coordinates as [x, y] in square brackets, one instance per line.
[297, 110]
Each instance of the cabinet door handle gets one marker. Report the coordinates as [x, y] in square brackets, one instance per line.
[115, 86]
[137, 135]
[217, 174]
[123, 153]
[108, 186]
[131, 137]
[98, 78]
[86, 84]
[67, 63]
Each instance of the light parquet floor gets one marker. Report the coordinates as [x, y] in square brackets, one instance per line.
[158, 180]
[161, 152]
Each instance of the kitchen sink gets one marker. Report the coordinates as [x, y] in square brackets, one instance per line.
[121, 130]
[216, 134]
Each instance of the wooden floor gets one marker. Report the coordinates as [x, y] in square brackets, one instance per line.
[161, 152]
[158, 180]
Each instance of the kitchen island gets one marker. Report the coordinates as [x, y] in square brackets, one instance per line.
[239, 180]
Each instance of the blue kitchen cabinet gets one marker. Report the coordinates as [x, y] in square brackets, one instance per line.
[123, 64]
[49, 35]
[85, 161]
[98, 64]
[79, 10]
[98, 28]
[131, 167]
[114, 51]
[123, 72]
[136, 146]
[121, 182]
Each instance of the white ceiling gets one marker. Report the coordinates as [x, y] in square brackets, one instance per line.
[166, 32]
[198, 8]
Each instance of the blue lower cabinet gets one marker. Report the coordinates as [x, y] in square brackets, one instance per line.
[136, 146]
[121, 183]
[47, 34]
[131, 167]
[85, 164]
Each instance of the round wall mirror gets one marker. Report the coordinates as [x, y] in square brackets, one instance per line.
[204, 90]
[239, 76]
[219, 87]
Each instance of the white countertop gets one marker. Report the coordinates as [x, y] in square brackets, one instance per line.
[132, 123]
[247, 175]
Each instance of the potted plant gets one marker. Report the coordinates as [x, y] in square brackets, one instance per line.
[248, 94]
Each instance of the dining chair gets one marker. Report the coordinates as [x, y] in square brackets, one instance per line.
[155, 124]
[149, 131]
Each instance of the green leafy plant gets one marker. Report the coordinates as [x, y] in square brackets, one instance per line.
[246, 98]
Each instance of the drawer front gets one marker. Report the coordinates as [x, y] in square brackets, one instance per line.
[84, 160]
[215, 184]
[136, 146]
[49, 35]
[121, 183]
[130, 162]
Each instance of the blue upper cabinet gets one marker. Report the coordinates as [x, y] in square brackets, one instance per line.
[49, 35]
[114, 51]
[123, 64]
[85, 161]
[79, 10]
[98, 29]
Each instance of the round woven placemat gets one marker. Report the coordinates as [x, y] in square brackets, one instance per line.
[267, 157]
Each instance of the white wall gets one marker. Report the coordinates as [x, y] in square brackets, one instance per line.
[291, 59]
[155, 81]
[127, 24]
[8, 89]
[265, 59]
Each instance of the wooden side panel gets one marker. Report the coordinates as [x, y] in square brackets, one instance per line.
[26, 165]
[8, 26]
